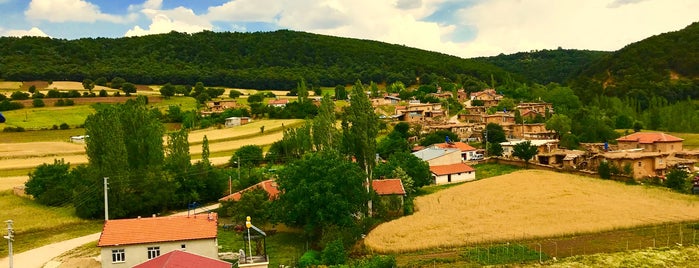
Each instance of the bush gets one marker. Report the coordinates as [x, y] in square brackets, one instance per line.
[38, 95]
[234, 94]
[38, 103]
[13, 129]
[376, 261]
[604, 169]
[334, 253]
[19, 95]
[64, 126]
[103, 93]
[309, 258]
[53, 94]
[7, 105]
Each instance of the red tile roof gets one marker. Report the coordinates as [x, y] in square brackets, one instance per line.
[388, 187]
[459, 145]
[158, 229]
[649, 137]
[270, 186]
[183, 259]
[282, 101]
[451, 169]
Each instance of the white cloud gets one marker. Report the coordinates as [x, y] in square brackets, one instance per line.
[179, 19]
[247, 10]
[509, 26]
[34, 31]
[618, 3]
[68, 10]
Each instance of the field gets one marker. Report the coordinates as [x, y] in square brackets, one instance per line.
[526, 205]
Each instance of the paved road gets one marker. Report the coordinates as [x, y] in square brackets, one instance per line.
[36, 258]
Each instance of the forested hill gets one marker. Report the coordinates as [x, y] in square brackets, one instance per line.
[546, 66]
[665, 65]
[263, 60]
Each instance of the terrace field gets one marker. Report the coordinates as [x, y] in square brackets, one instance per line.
[527, 205]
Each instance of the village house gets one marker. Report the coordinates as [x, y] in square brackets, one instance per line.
[280, 103]
[391, 194]
[415, 112]
[219, 106]
[438, 156]
[468, 152]
[534, 108]
[269, 186]
[237, 121]
[473, 114]
[489, 97]
[500, 118]
[543, 146]
[651, 142]
[128, 242]
[452, 173]
[566, 159]
[535, 131]
[183, 259]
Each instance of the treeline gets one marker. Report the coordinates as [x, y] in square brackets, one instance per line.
[269, 60]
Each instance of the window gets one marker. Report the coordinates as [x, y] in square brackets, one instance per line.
[639, 163]
[118, 255]
[153, 252]
[183, 246]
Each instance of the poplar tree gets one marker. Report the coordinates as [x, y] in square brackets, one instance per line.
[324, 129]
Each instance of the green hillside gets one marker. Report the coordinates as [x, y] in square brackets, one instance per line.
[546, 66]
[262, 60]
[665, 65]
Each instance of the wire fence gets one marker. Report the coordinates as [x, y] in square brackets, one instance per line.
[678, 234]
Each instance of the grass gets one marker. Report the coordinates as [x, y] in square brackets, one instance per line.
[46, 117]
[185, 103]
[36, 225]
[691, 140]
[282, 248]
[528, 204]
[40, 136]
[657, 257]
[11, 86]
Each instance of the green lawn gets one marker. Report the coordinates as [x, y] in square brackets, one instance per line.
[185, 103]
[46, 117]
[36, 225]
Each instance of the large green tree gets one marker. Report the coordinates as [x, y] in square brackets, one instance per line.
[51, 184]
[325, 133]
[322, 189]
[525, 151]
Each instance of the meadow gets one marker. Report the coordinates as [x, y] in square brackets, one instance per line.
[525, 205]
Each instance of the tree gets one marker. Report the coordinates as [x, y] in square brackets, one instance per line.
[678, 180]
[51, 184]
[249, 155]
[117, 82]
[392, 143]
[559, 123]
[234, 94]
[494, 149]
[322, 189]
[334, 253]
[101, 81]
[205, 150]
[38, 103]
[363, 128]
[324, 129]
[604, 169]
[254, 203]
[494, 133]
[177, 158]
[525, 151]
[416, 168]
[302, 91]
[438, 136]
[88, 84]
[168, 90]
[340, 92]
[128, 88]
[374, 89]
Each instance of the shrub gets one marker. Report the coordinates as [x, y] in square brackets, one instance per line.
[234, 94]
[54, 127]
[19, 95]
[7, 105]
[376, 261]
[32, 89]
[309, 258]
[60, 102]
[64, 126]
[53, 94]
[103, 93]
[2, 97]
[334, 253]
[38, 95]
[604, 170]
[73, 94]
[13, 129]
[38, 103]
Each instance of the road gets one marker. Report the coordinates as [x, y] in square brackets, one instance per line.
[36, 258]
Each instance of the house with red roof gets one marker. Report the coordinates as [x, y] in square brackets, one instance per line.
[391, 194]
[453, 173]
[183, 259]
[651, 142]
[128, 242]
[280, 103]
[269, 186]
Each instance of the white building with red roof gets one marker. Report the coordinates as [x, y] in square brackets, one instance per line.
[183, 259]
[453, 173]
[467, 151]
[651, 142]
[128, 242]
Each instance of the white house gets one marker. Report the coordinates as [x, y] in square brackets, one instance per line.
[543, 146]
[237, 121]
[468, 152]
[128, 242]
[281, 103]
[445, 174]
[439, 156]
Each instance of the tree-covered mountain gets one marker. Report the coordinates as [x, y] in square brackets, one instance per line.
[546, 66]
[262, 60]
[665, 65]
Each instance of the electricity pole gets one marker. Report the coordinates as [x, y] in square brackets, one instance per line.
[106, 200]
[10, 238]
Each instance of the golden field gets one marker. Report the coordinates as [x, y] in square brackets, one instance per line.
[528, 204]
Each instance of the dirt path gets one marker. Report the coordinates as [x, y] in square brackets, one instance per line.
[36, 258]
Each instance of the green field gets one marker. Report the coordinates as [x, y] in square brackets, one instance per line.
[46, 117]
[36, 225]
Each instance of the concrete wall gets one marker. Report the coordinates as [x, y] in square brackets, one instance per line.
[466, 176]
[453, 157]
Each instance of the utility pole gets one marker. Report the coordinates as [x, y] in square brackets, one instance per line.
[10, 238]
[239, 170]
[106, 200]
[485, 153]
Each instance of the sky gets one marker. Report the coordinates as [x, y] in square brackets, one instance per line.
[464, 28]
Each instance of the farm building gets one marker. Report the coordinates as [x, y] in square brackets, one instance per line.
[543, 146]
[183, 259]
[467, 151]
[269, 186]
[281, 103]
[651, 142]
[445, 174]
[391, 193]
[438, 156]
[128, 242]
[237, 121]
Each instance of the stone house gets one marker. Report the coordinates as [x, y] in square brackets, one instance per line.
[651, 142]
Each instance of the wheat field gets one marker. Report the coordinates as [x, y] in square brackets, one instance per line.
[528, 204]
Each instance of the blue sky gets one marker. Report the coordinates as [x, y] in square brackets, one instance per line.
[465, 28]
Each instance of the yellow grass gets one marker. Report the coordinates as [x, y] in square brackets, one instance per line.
[10, 85]
[34, 149]
[528, 204]
[7, 183]
[249, 129]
